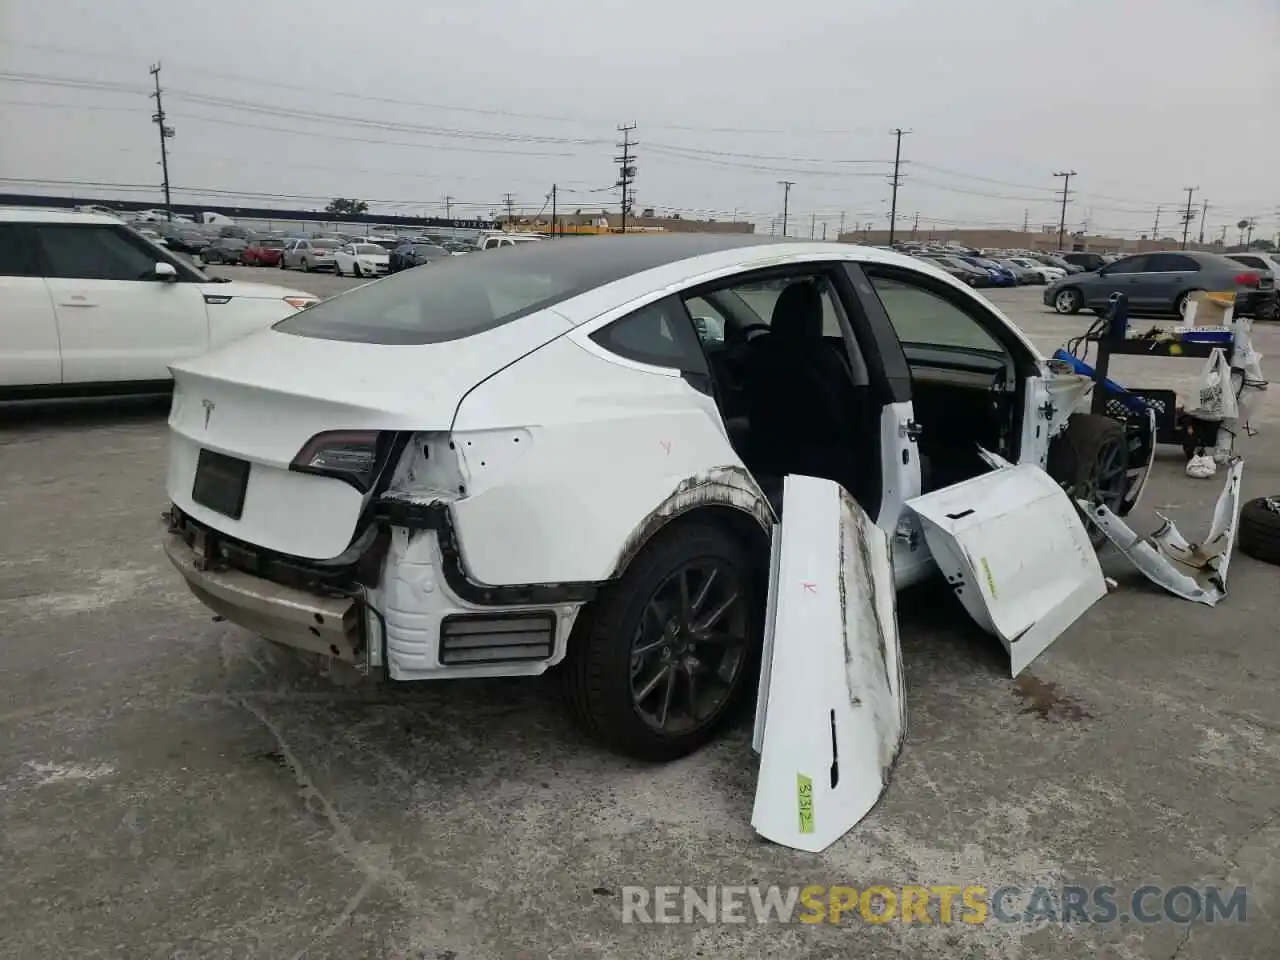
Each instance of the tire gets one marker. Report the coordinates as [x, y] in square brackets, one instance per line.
[1259, 533]
[1068, 300]
[306, 267]
[280, 264]
[337, 269]
[1090, 459]
[1180, 302]
[356, 271]
[596, 677]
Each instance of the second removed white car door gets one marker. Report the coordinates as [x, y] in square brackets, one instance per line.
[116, 320]
[831, 714]
[1015, 551]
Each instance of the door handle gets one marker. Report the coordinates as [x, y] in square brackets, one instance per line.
[77, 300]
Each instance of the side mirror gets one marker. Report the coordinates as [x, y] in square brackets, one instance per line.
[165, 271]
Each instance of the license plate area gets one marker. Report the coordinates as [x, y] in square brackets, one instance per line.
[220, 483]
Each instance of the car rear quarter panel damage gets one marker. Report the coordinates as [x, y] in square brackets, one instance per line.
[569, 462]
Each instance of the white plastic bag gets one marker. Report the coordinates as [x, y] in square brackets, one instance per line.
[1215, 397]
[1201, 467]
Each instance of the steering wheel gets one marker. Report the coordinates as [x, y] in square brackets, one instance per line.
[731, 367]
[736, 340]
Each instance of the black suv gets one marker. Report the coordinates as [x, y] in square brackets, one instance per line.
[1089, 261]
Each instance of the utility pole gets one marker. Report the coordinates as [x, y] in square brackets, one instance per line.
[448, 207]
[166, 133]
[841, 230]
[824, 230]
[1249, 237]
[786, 202]
[813, 225]
[1187, 217]
[915, 224]
[509, 200]
[554, 189]
[1066, 176]
[1204, 209]
[898, 133]
[1155, 227]
[626, 170]
[1026, 219]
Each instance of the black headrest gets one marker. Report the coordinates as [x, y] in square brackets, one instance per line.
[797, 314]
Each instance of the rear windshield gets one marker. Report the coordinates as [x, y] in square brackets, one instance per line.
[325, 244]
[458, 297]
[367, 248]
[268, 243]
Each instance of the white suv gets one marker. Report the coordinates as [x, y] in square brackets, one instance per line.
[89, 306]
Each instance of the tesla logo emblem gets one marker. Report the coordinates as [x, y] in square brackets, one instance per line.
[208, 411]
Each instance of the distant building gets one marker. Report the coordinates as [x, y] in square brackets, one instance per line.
[579, 222]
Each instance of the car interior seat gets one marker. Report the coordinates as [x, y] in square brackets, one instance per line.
[799, 396]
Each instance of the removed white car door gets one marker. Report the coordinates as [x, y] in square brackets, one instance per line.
[1015, 551]
[116, 319]
[830, 716]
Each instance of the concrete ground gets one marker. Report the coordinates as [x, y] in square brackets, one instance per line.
[172, 788]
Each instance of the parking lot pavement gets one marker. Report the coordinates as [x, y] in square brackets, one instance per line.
[322, 284]
[172, 787]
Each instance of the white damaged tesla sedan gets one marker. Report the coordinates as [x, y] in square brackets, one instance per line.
[677, 469]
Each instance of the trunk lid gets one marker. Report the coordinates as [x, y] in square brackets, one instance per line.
[261, 398]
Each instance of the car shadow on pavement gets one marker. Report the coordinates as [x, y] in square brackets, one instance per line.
[83, 414]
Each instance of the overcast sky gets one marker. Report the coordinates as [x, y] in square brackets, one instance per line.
[408, 101]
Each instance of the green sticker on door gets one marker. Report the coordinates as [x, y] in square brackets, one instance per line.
[804, 794]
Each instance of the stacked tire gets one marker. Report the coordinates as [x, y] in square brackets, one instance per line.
[1259, 533]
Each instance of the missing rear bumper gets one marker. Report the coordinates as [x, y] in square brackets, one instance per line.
[329, 626]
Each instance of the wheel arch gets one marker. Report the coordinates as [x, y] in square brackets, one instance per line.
[726, 497]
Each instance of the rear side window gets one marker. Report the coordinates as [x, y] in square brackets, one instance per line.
[17, 255]
[93, 253]
[660, 334]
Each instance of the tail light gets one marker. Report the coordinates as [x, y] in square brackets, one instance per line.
[352, 456]
[301, 303]
[1248, 279]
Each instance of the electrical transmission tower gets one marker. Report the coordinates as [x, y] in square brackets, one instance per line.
[166, 133]
[626, 171]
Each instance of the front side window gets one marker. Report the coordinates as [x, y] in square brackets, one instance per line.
[1129, 265]
[92, 252]
[1171, 263]
[922, 317]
